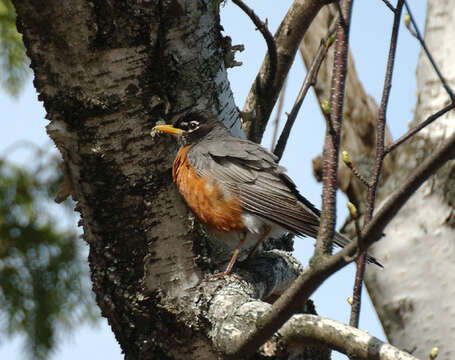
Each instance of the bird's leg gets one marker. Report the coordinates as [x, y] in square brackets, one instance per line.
[260, 241]
[235, 255]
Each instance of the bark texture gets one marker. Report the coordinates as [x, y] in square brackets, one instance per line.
[413, 293]
[107, 72]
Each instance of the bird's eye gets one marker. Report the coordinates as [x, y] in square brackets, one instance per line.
[193, 125]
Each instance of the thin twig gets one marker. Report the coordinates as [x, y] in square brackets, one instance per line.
[279, 109]
[271, 46]
[427, 52]
[347, 161]
[355, 216]
[389, 5]
[374, 180]
[357, 291]
[310, 80]
[373, 231]
[408, 24]
[356, 294]
[332, 140]
[381, 123]
[418, 127]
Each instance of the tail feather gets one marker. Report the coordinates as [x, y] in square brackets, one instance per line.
[342, 241]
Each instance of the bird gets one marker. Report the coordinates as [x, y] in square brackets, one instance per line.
[236, 186]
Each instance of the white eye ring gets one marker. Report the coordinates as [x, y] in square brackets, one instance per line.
[193, 125]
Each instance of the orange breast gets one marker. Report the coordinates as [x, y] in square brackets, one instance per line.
[204, 197]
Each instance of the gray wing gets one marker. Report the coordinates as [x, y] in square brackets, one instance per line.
[251, 172]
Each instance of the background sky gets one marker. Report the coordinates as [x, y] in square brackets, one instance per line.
[22, 118]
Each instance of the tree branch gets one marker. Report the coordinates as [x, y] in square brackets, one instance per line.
[373, 231]
[271, 46]
[388, 4]
[418, 127]
[260, 100]
[310, 80]
[276, 122]
[374, 179]
[303, 330]
[332, 138]
[347, 161]
[427, 52]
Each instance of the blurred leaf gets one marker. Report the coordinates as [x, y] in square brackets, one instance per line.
[13, 60]
[43, 280]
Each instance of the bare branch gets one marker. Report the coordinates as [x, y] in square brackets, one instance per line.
[355, 215]
[262, 27]
[393, 204]
[381, 123]
[389, 5]
[374, 180]
[427, 52]
[357, 292]
[276, 123]
[310, 79]
[332, 138]
[347, 161]
[260, 101]
[419, 127]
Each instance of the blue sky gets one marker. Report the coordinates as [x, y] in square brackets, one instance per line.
[23, 119]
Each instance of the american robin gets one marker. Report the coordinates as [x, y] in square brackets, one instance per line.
[236, 186]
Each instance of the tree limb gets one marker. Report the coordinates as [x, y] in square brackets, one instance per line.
[418, 127]
[276, 122]
[302, 330]
[393, 204]
[428, 53]
[271, 46]
[333, 136]
[260, 101]
[379, 159]
[310, 80]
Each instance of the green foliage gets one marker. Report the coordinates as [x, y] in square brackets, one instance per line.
[43, 281]
[13, 61]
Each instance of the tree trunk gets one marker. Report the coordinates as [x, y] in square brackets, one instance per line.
[107, 72]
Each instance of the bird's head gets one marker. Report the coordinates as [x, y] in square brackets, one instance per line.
[192, 127]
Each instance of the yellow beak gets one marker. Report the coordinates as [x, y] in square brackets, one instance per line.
[169, 129]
